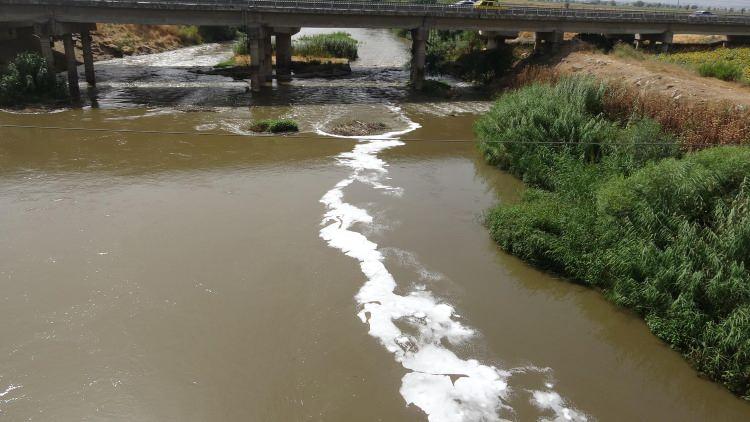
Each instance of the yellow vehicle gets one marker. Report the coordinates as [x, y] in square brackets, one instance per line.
[489, 4]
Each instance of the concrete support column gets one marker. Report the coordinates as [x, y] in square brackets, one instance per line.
[547, 38]
[88, 58]
[72, 64]
[283, 57]
[497, 38]
[255, 50]
[665, 38]
[45, 45]
[418, 57]
[267, 67]
[666, 41]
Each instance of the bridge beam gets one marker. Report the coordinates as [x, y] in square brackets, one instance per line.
[283, 57]
[88, 58]
[418, 57]
[72, 64]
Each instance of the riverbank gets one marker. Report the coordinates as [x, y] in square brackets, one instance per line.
[617, 202]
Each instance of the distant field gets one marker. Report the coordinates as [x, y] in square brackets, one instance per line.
[736, 56]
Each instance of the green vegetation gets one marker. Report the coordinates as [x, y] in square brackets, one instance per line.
[730, 64]
[337, 44]
[27, 80]
[240, 46]
[462, 54]
[724, 70]
[613, 203]
[275, 126]
[189, 34]
[626, 51]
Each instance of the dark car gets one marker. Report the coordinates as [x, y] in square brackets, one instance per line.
[463, 3]
[702, 14]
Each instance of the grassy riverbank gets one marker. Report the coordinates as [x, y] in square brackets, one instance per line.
[617, 202]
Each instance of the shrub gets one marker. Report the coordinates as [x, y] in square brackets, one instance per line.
[528, 129]
[337, 44]
[665, 236]
[275, 126]
[27, 79]
[189, 34]
[240, 46]
[724, 70]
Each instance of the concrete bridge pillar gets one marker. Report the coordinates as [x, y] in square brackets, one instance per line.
[72, 65]
[267, 66]
[542, 39]
[45, 45]
[88, 57]
[254, 49]
[283, 57]
[418, 57]
[665, 38]
[497, 38]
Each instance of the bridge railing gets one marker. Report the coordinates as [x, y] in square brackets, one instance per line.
[423, 8]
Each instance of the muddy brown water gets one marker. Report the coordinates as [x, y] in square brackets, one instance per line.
[181, 277]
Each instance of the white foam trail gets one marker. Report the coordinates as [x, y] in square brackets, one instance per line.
[9, 389]
[549, 400]
[445, 386]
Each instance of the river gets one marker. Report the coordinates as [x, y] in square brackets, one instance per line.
[208, 274]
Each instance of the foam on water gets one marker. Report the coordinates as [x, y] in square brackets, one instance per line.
[445, 386]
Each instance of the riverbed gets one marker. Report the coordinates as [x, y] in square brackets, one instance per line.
[169, 265]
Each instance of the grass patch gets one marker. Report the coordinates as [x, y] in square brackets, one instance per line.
[336, 44]
[724, 70]
[627, 51]
[727, 62]
[28, 80]
[226, 63]
[275, 126]
[616, 204]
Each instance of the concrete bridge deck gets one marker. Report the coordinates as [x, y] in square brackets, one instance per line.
[262, 19]
[370, 14]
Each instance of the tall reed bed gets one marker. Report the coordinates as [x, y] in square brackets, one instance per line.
[695, 125]
[615, 203]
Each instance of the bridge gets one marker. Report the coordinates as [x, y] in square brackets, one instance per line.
[281, 18]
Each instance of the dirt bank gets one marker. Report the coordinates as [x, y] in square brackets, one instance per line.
[671, 80]
[110, 40]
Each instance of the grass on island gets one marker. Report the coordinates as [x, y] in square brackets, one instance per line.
[336, 44]
[27, 80]
[275, 126]
[615, 202]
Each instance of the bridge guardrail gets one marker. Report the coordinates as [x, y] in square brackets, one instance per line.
[508, 10]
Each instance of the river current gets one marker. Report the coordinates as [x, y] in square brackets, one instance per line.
[171, 265]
